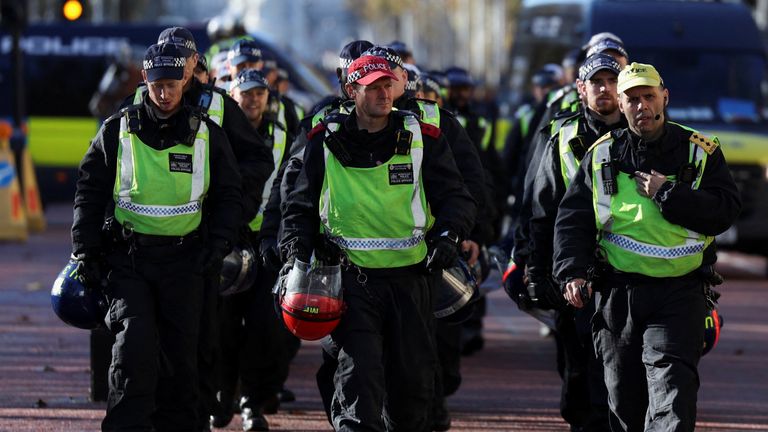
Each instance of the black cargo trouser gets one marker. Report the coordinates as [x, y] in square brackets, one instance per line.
[208, 352]
[155, 304]
[584, 398]
[252, 346]
[650, 333]
[386, 359]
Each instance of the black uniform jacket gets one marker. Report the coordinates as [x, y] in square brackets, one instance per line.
[709, 210]
[254, 159]
[94, 201]
[549, 188]
[468, 162]
[271, 222]
[450, 203]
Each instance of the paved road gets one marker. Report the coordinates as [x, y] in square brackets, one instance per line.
[509, 386]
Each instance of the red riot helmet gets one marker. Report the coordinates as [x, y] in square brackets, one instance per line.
[311, 301]
[713, 323]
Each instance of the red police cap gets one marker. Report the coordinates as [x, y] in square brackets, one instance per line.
[368, 69]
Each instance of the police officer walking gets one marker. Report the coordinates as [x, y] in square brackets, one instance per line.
[654, 195]
[155, 166]
[380, 166]
[583, 401]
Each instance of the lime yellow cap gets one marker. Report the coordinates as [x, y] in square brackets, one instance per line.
[638, 74]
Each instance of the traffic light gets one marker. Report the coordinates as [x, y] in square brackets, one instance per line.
[74, 10]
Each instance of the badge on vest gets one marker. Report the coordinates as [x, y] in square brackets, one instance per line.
[179, 162]
[400, 174]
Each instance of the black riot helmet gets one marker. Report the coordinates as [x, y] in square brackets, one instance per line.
[238, 271]
[76, 302]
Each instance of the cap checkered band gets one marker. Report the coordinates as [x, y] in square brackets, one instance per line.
[249, 77]
[244, 50]
[165, 61]
[653, 251]
[354, 76]
[179, 42]
[598, 62]
[410, 85]
[430, 84]
[344, 63]
[386, 53]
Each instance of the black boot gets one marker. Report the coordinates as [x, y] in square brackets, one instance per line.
[253, 420]
[441, 418]
[223, 412]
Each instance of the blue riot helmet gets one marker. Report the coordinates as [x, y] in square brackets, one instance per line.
[76, 302]
[457, 292]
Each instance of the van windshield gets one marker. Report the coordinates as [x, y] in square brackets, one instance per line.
[710, 86]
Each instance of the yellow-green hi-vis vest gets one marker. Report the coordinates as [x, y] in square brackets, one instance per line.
[328, 110]
[215, 110]
[633, 235]
[378, 215]
[430, 113]
[161, 192]
[278, 150]
[569, 164]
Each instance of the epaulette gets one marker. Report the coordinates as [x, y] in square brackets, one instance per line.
[565, 114]
[119, 114]
[600, 140]
[709, 145]
[559, 94]
[429, 130]
[315, 130]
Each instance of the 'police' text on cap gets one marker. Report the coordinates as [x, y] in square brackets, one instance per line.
[164, 61]
[597, 62]
[367, 69]
[638, 74]
[248, 79]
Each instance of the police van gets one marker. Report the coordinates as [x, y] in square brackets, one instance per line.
[75, 75]
[712, 59]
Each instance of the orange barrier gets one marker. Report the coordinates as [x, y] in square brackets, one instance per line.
[13, 222]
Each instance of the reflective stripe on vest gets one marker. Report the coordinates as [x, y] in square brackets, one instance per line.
[326, 111]
[487, 131]
[568, 162]
[161, 192]
[430, 113]
[355, 203]
[278, 150]
[634, 236]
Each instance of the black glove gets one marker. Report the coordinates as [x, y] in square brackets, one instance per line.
[545, 293]
[270, 256]
[89, 266]
[287, 266]
[211, 258]
[442, 254]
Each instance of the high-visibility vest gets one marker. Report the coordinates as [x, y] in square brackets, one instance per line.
[633, 235]
[326, 111]
[482, 123]
[279, 138]
[430, 113]
[569, 164]
[215, 110]
[161, 192]
[378, 215]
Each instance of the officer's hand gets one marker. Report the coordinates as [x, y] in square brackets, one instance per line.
[572, 292]
[472, 249]
[442, 254]
[211, 258]
[270, 256]
[545, 293]
[90, 268]
[649, 184]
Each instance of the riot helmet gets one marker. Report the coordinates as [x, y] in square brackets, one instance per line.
[311, 300]
[713, 323]
[457, 292]
[76, 302]
[238, 271]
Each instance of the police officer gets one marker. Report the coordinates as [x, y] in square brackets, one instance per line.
[383, 164]
[583, 399]
[654, 195]
[156, 166]
[467, 158]
[250, 333]
[255, 164]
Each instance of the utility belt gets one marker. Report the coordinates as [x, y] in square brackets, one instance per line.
[705, 273]
[116, 234]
